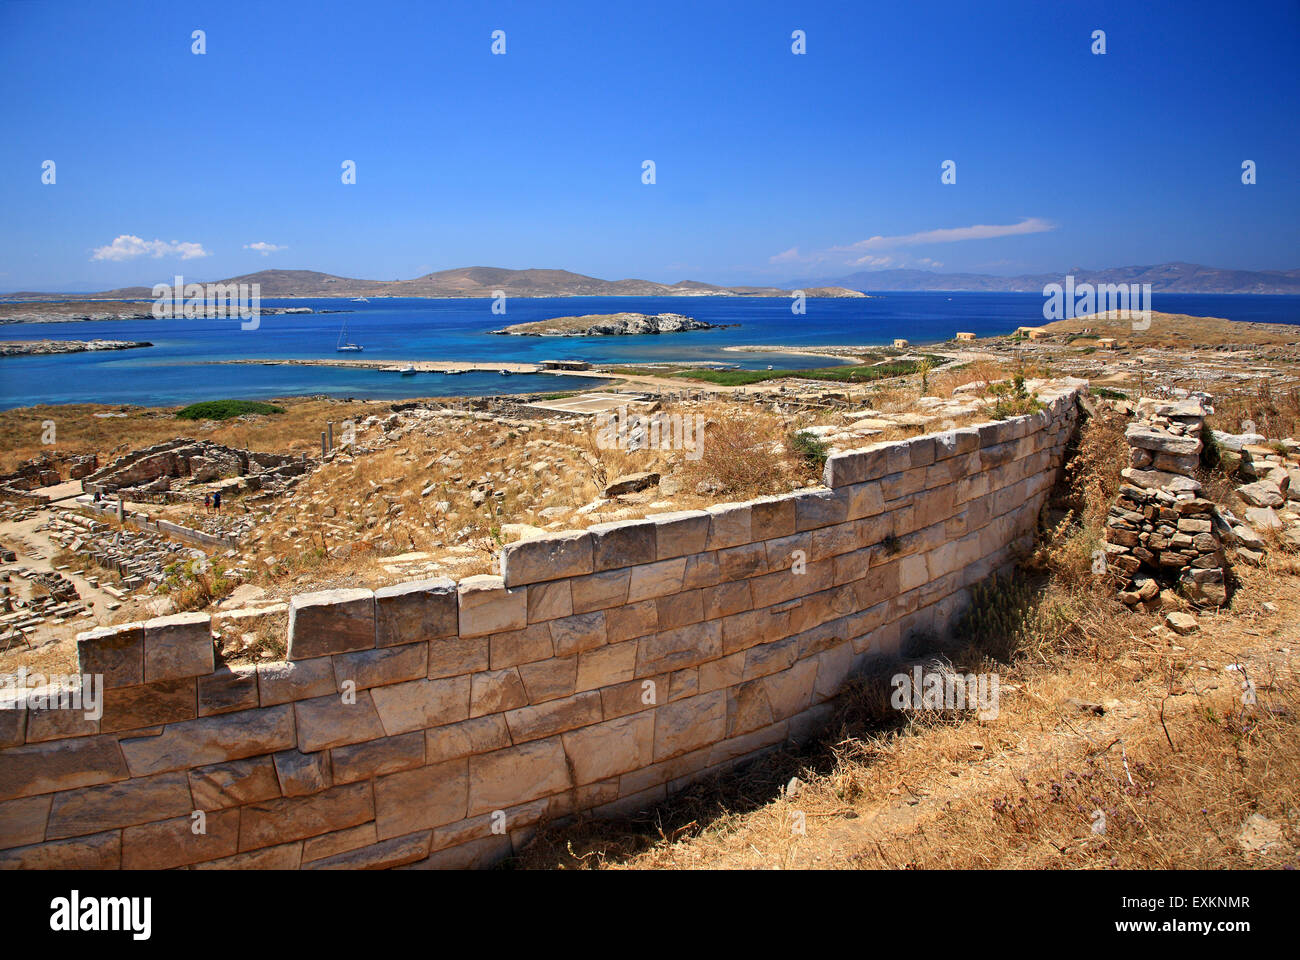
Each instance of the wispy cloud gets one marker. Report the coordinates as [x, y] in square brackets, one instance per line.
[264, 248]
[128, 247]
[866, 253]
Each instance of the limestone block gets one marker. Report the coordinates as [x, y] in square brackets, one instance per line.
[148, 704]
[614, 663]
[361, 761]
[422, 610]
[116, 653]
[418, 704]
[516, 775]
[480, 735]
[173, 843]
[729, 525]
[682, 647]
[656, 579]
[772, 517]
[680, 533]
[549, 601]
[610, 748]
[228, 736]
[553, 557]
[600, 591]
[331, 721]
[386, 665]
[424, 797]
[451, 656]
[331, 621]
[556, 716]
[282, 682]
[227, 689]
[623, 544]
[487, 606]
[690, 723]
[177, 646]
[103, 851]
[580, 632]
[520, 646]
[93, 809]
[494, 691]
[631, 620]
[550, 679]
[270, 822]
[234, 782]
[820, 508]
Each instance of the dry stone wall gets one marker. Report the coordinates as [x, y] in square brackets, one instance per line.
[436, 724]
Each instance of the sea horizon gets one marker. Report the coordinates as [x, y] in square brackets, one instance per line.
[189, 359]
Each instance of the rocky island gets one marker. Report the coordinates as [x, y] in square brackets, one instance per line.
[31, 348]
[608, 325]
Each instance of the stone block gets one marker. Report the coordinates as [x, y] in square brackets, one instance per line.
[423, 610]
[59, 765]
[331, 721]
[271, 822]
[505, 778]
[285, 681]
[607, 749]
[623, 544]
[690, 723]
[115, 653]
[220, 785]
[177, 646]
[486, 606]
[424, 797]
[93, 809]
[419, 704]
[555, 716]
[376, 668]
[480, 735]
[150, 704]
[227, 689]
[301, 774]
[552, 557]
[331, 621]
[228, 736]
[361, 761]
[520, 646]
[495, 691]
[680, 533]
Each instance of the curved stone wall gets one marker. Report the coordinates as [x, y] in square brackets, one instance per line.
[435, 724]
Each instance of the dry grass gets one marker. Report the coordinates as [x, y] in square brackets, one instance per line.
[78, 431]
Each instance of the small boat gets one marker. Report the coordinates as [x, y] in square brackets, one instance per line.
[769, 366]
[345, 345]
[408, 370]
[504, 372]
[453, 373]
[360, 300]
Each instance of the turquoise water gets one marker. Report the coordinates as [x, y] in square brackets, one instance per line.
[178, 368]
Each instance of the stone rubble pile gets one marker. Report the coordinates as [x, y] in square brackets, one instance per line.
[54, 599]
[1270, 496]
[1160, 531]
[139, 557]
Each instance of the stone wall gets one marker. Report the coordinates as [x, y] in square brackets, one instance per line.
[436, 724]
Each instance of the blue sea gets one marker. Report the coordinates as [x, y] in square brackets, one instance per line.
[178, 369]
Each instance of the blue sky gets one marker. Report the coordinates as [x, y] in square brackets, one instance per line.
[769, 165]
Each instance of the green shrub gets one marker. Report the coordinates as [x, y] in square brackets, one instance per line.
[225, 409]
[808, 448]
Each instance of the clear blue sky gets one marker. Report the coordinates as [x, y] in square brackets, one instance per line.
[770, 166]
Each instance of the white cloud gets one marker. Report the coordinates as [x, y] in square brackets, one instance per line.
[264, 248]
[981, 231]
[128, 247]
[864, 252]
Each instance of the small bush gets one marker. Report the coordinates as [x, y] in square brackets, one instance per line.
[225, 409]
[808, 448]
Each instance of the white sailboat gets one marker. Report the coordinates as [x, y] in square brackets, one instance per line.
[344, 345]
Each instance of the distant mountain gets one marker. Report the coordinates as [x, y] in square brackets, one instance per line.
[486, 281]
[1164, 278]
[461, 282]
